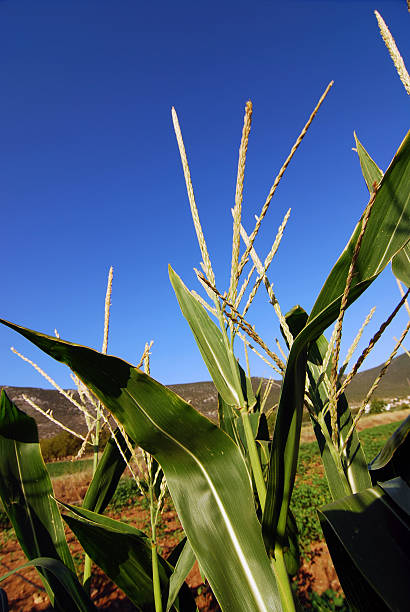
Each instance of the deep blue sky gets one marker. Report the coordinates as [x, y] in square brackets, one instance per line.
[91, 175]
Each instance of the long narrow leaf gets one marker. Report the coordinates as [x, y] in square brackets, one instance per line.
[107, 475]
[75, 598]
[394, 458]
[123, 553]
[369, 540]
[387, 232]
[399, 492]
[182, 568]
[25, 490]
[198, 460]
[131, 566]
[372, 174]
[222, 367]
[178, 558]
[401, 265]
[370, 170]
[355, 475]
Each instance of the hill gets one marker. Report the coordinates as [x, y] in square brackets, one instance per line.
[395, 383]
[203, 396]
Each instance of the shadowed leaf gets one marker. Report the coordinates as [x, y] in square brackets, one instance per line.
[369, 540]
[387, 232]
[25, 490]
[73, 596]
[198, 459]
[107, 475]
[394, 458]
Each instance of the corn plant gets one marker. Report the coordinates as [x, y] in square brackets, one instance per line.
[231, 483]
[197, 457]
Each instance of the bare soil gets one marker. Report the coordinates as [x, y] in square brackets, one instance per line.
[26, 593]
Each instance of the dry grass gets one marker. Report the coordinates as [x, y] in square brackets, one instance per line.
[71, 488]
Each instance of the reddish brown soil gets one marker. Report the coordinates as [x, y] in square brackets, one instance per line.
[317, 573]
[25, 591]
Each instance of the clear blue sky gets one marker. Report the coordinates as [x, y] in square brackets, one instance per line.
[91, 175]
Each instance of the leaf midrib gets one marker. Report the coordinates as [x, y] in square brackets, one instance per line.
[242, 558]
[382, 263]
[26, 498]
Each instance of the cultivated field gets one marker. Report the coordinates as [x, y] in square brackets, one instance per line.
[70, 481]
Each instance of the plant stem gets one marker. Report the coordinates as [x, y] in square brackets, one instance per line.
[285, 589]
[335, 455]
[87, 559]
[155, 578]
[154, 555]
[96, 439]
[254, 458]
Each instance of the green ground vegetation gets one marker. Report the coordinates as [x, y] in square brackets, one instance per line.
[311, 490]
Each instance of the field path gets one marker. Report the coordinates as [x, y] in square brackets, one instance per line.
[372, 420]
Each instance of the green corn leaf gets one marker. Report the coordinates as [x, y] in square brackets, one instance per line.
[25, 490]
[254, 419]
[227, 415]
[291, 550]
[351, 474]
[284, 449]
[372, 174]
[394, 458]
[399, 492]
[182, 568]
[370, 170]
[74, 597]
[387, 232]
[131, 568]
[198, 460]
[175, 553]
[181, 559]
[230, 421]
[355, 475]
[107, 475]
[123, 553]
[401, 265]
[369, 540]
[218, 356]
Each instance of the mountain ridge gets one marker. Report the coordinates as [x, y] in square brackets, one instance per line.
[203, 396]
